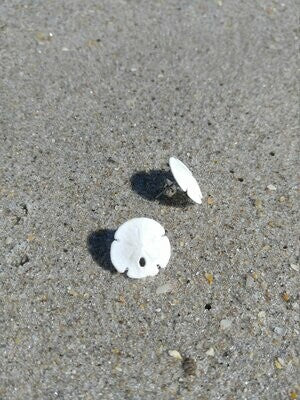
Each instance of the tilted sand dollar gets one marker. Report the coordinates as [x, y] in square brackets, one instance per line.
[185, 180]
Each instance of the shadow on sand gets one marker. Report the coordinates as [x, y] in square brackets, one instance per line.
[98, 244]
[150, 186]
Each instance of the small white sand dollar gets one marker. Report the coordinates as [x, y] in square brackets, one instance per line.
[140, 247]
[185, 180]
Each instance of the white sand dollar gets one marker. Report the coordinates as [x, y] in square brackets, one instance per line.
[141, 247]
[185, 180]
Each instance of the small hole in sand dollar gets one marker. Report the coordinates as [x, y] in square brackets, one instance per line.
[142, 262]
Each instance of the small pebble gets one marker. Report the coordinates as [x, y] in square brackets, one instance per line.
[258, 204]
[210, 352]
[255, 275]
[226, 323]
[72, 292]
[121, 299]
[295, 267]
[92, 42]
[281, 360]
[277, 363]
[43, 37]
[168, 287]
[279, 331]
[249, 281]
[24, 259]
[262, 315]
[209, 277]
[210, 201]
[175, 354]
[285, 296]
[9, 240]
[30, 237]
[272, 188]
[293, 395]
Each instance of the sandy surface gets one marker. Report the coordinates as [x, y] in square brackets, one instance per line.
[95, 97]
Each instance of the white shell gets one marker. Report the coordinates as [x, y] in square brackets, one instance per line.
[139, 241]
[185, 180]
